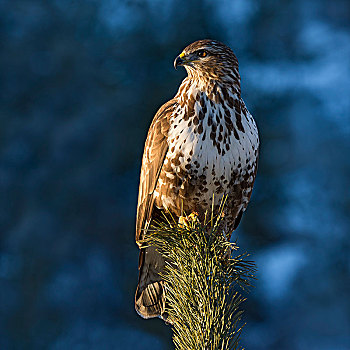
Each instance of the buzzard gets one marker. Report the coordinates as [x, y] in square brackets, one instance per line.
[202, 142]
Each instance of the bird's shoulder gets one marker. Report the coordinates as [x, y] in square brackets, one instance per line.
[159, 128]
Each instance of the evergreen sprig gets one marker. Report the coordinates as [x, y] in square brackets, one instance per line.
[201, 278]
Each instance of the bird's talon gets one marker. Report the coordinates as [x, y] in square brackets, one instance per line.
[183, 222]
[193, 217]
[188, 221]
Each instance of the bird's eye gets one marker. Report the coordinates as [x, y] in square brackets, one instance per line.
[202, 53]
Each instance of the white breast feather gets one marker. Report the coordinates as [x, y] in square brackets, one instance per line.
[204, 151]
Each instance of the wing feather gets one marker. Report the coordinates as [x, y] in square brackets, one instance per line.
[156, 147]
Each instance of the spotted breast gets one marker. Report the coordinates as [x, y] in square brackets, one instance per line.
[213, 148]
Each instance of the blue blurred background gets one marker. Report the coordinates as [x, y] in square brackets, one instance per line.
[80, 81]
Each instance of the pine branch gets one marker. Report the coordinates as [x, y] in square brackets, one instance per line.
[202, 276]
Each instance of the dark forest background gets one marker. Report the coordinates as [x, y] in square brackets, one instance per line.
[80, 81]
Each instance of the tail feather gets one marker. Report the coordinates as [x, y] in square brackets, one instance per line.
[149, 297]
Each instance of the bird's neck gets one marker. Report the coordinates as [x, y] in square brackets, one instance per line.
[212, 82]
[217, 91]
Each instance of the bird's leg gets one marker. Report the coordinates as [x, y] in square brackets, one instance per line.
[186, 221]
[193, 217]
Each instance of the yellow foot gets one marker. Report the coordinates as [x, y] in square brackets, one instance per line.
[185, 221]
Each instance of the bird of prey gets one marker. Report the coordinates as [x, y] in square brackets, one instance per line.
[202, 142]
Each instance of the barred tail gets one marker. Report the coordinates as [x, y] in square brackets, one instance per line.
[149, 296]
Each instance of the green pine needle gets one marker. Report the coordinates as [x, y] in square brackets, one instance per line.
[202, 276]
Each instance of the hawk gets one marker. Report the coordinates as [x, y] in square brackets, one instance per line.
[202, 142]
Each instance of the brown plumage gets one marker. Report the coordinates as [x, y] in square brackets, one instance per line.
[203, 142]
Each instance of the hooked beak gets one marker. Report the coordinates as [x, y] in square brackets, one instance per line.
[179, 60]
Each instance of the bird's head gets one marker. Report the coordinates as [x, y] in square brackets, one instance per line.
[209, 59]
